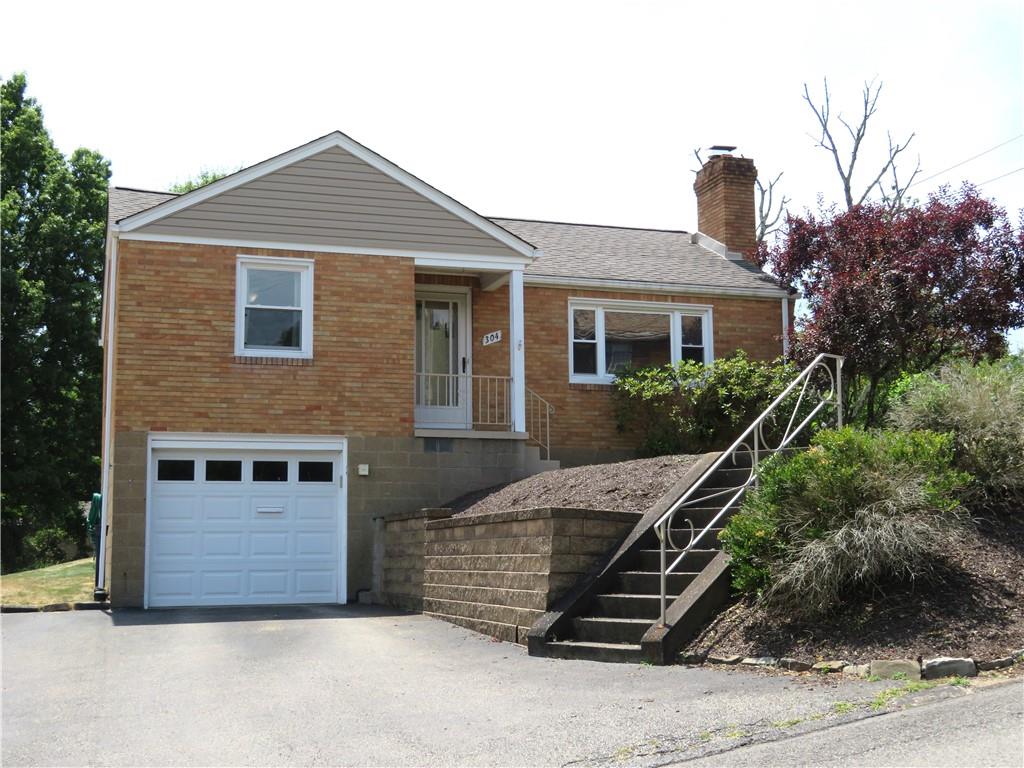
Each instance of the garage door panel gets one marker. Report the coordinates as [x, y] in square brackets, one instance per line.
[268, 583]
[313, 508]
[314, 583]
[223, 544]
[173, 584]
[170, 506]
[223, 507]
[313, 544]
[221, 584]
[235, 541]
[174, 545]
[270, 544]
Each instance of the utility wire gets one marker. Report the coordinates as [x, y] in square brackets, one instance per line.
[969, 159]
[997, 178]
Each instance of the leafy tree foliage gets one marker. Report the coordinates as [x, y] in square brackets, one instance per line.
[54, 212]
[204, 177]
[900, 290]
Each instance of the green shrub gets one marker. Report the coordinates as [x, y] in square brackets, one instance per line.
[983, 407]
[692, 408]
[857, 508]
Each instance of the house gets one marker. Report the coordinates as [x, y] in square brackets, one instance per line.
[323, 338]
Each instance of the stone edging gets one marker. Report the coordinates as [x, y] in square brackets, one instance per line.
[910, 669]
[53, 607]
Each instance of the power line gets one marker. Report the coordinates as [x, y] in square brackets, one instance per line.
[997, 178]
[969, 159]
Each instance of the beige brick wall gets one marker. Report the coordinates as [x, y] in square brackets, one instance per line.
[176, 368]
[583, 427]
[498, 573]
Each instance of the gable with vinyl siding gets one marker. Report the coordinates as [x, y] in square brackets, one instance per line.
[332, 198]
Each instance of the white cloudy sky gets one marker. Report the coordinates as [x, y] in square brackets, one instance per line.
[576, 111]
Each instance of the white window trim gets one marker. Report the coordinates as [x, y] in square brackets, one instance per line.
[675, 311]
[302, 266]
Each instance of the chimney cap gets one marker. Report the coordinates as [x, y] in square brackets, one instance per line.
[720, 149]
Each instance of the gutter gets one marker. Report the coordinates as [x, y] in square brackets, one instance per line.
[642, 286]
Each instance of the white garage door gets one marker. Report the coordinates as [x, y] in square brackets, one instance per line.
[230, 527]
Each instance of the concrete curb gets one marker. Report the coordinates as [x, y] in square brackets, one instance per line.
[54, 607]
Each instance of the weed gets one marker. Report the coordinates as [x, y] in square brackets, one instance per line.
[788, 723]
[962, 682]
[842, 707]
[899, 676]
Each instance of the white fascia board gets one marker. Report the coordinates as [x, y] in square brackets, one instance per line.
[427, 258]
[640, 286]
[477, 263]
[340, 140]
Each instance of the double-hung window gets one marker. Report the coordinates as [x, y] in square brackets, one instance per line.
[607, 337]
[274, 307]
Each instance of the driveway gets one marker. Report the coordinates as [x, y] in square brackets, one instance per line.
[357, 686]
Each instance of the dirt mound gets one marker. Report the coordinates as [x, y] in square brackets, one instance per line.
[627, 486]
[973, 607]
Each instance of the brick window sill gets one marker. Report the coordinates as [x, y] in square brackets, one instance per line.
[301, 362]
[577, 387]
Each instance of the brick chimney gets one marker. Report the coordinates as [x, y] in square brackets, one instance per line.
[725, 202]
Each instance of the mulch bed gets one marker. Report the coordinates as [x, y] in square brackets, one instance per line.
[626, 486]
[974, 607]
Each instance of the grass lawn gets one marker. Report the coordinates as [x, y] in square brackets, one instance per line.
[65, 583]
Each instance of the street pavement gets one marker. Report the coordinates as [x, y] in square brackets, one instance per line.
[365, 686]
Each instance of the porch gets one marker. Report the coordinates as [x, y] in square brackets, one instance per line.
[469, 376]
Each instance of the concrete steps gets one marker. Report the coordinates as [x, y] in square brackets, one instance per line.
[610, 616]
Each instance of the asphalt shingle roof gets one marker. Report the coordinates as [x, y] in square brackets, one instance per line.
[578, 250]
[637, 255]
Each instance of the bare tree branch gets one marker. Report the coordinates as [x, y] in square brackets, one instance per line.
[768, 216]
[846, 161]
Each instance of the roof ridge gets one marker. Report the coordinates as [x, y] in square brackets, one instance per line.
[140, 189]
[601, 226]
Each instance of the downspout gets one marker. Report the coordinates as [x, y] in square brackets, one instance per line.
[109, 344]
[785, 327]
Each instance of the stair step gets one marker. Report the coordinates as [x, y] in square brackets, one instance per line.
[649, 582]
[598, 629]
[626, 606]
[696, 559]
[625, 653]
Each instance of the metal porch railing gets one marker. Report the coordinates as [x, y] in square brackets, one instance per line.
[822, 379]
[486, 402]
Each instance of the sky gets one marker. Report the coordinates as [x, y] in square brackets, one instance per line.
[568, 111]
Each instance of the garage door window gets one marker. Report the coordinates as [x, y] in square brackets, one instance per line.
[270, 471]
[316, 471]
[176, 470]
[219, 471]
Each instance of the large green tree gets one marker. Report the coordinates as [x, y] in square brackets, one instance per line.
[54, 213]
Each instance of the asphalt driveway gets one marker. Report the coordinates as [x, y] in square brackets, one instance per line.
[357, 686]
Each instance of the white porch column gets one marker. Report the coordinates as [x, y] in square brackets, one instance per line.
[517, 353]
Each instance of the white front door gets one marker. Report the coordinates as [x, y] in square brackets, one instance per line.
[237, 527]
[442, 387]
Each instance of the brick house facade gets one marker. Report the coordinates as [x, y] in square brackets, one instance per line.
[239, 473]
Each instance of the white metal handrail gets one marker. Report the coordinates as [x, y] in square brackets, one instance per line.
[754, 442]
[538, 421]
[486, 401]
